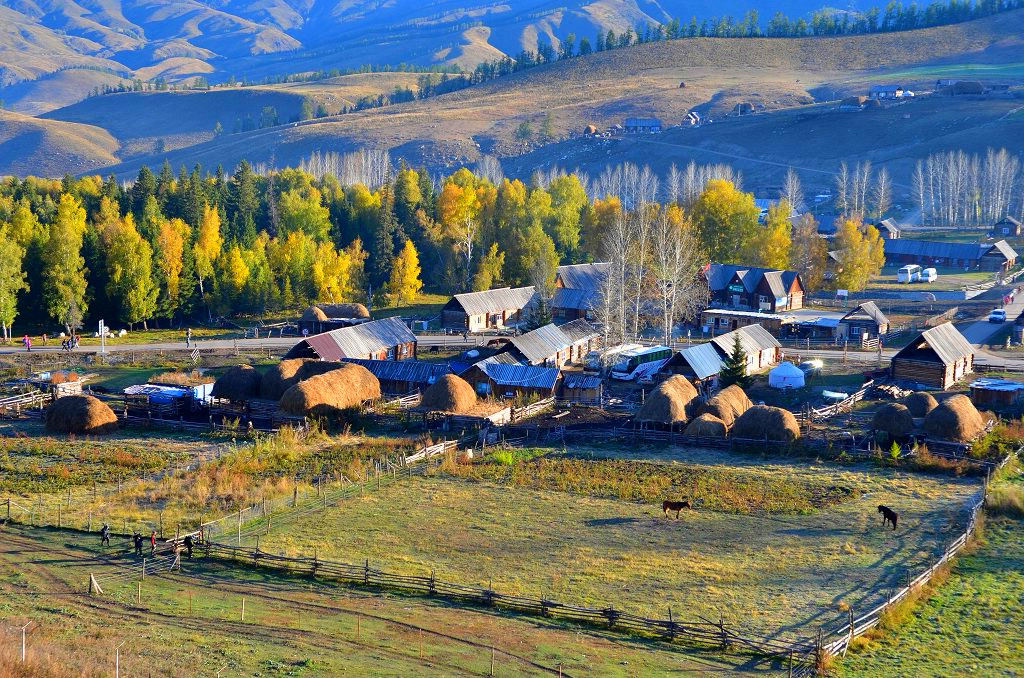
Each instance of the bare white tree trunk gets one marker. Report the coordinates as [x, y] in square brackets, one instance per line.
[792, 190]
[882, 193]
[843, 190]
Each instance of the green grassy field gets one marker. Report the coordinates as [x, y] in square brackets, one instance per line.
[973, 625]
[949, 279]
[767, 571]
[190, 624]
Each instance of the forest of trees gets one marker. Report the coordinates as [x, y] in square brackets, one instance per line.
[170, 247]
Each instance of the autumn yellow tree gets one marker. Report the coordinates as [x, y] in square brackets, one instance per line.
[809, 253]
[726, 220]
[130, 271]
[489, 270]
[64, 272]
[771, 248]
[207, 250]
[405, 281]
[860, 254]
[171, 238]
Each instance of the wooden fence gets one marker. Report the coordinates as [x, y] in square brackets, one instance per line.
[16, 405]
[845, 405]
[527, 411]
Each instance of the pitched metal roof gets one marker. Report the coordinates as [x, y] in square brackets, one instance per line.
[753, 339]
[988, 384]
[779, 282]
[544, 342]
[945, 340]
[582, 276]
[503, 358]
[412, 371]
[703, 359]
[946, 250]
[580, 300]
[528, 376]
[356, 341]
[747, 314]
[580, 381]
[578, 330]
[493, 301]
[868, 309]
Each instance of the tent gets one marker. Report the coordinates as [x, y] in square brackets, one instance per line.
[786, 375]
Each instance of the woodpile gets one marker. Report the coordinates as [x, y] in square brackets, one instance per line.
[707, 426]
[667, 404]
[893, 419]
[891, 391]
[728, 404]
[762, 422]
[449, 394]
[331, 393]
[238, 384]
[920, 403]
[80, 414]
[957, 419]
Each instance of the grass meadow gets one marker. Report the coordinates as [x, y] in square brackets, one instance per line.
[761, 563]
[190, 624]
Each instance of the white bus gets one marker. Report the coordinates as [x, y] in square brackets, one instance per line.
[640, 363]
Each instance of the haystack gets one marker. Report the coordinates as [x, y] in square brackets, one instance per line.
[728, 404]
[324, 312]
[667, 404]
[956, 418]
[327, 394]
[449, 394]
[920, 403]
[893, 419]
[241, 382]
[707, 426]
[80, 414]
[763, 420]
[287, 373]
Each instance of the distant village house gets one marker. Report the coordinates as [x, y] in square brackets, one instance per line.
[488, 310]
[386, 339]
[752, 288]
[995, 257]
[937, 358]
[642, 125]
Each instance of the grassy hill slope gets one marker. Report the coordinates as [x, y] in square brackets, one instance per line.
[50, 148]
[55, 90]
[604, 88]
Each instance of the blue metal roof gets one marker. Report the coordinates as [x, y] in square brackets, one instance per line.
[521, 375]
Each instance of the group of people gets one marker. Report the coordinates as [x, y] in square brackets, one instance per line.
[139, 541]
[68, 344]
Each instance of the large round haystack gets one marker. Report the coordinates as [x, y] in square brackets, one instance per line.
[707, 426]
[344, 387]
[80, 414]
[956, 418]
[893, 419]
[762, 421]
[449, 394]
[728, 404]
[667, 404]
[241, 382]
[920, 403]
[324, 312]
[289, 372]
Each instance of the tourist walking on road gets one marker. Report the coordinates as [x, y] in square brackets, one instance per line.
[28, 343]
[188, 338]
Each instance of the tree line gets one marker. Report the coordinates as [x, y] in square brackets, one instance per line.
[170, 247]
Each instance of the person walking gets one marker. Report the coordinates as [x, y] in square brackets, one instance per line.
[188, 338]
[152, 543]
[28, 343]
[105, 535]
[137, 538]
[188, 545]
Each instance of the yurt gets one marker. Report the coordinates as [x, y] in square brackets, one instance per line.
[786, 375]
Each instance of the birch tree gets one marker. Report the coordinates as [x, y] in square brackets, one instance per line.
[680, 290]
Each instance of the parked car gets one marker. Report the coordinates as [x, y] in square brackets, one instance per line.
[997, 316]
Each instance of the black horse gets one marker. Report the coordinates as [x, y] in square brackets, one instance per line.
[676, 506]
[888, 516]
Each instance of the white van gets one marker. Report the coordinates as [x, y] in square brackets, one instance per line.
[929, 275]
[909, 274]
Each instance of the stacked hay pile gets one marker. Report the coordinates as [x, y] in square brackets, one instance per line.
[80, 414]
[241, 382]
[288, 373]
[707, 426]
[667, 404]
[728, 404]
[920, 403]
[329, 393]
[763, 420]
[324, 312]
[956, 419]
[893, 419]
[449, 394]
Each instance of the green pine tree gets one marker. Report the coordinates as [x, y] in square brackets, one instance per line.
[735, 369]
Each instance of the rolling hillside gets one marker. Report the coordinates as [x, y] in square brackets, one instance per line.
[178, 39]
[452, 129]
[52, 148]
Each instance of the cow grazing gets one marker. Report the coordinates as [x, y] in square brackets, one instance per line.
[676, 506]
[888, 516]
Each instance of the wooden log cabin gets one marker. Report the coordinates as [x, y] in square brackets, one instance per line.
[937, 358]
